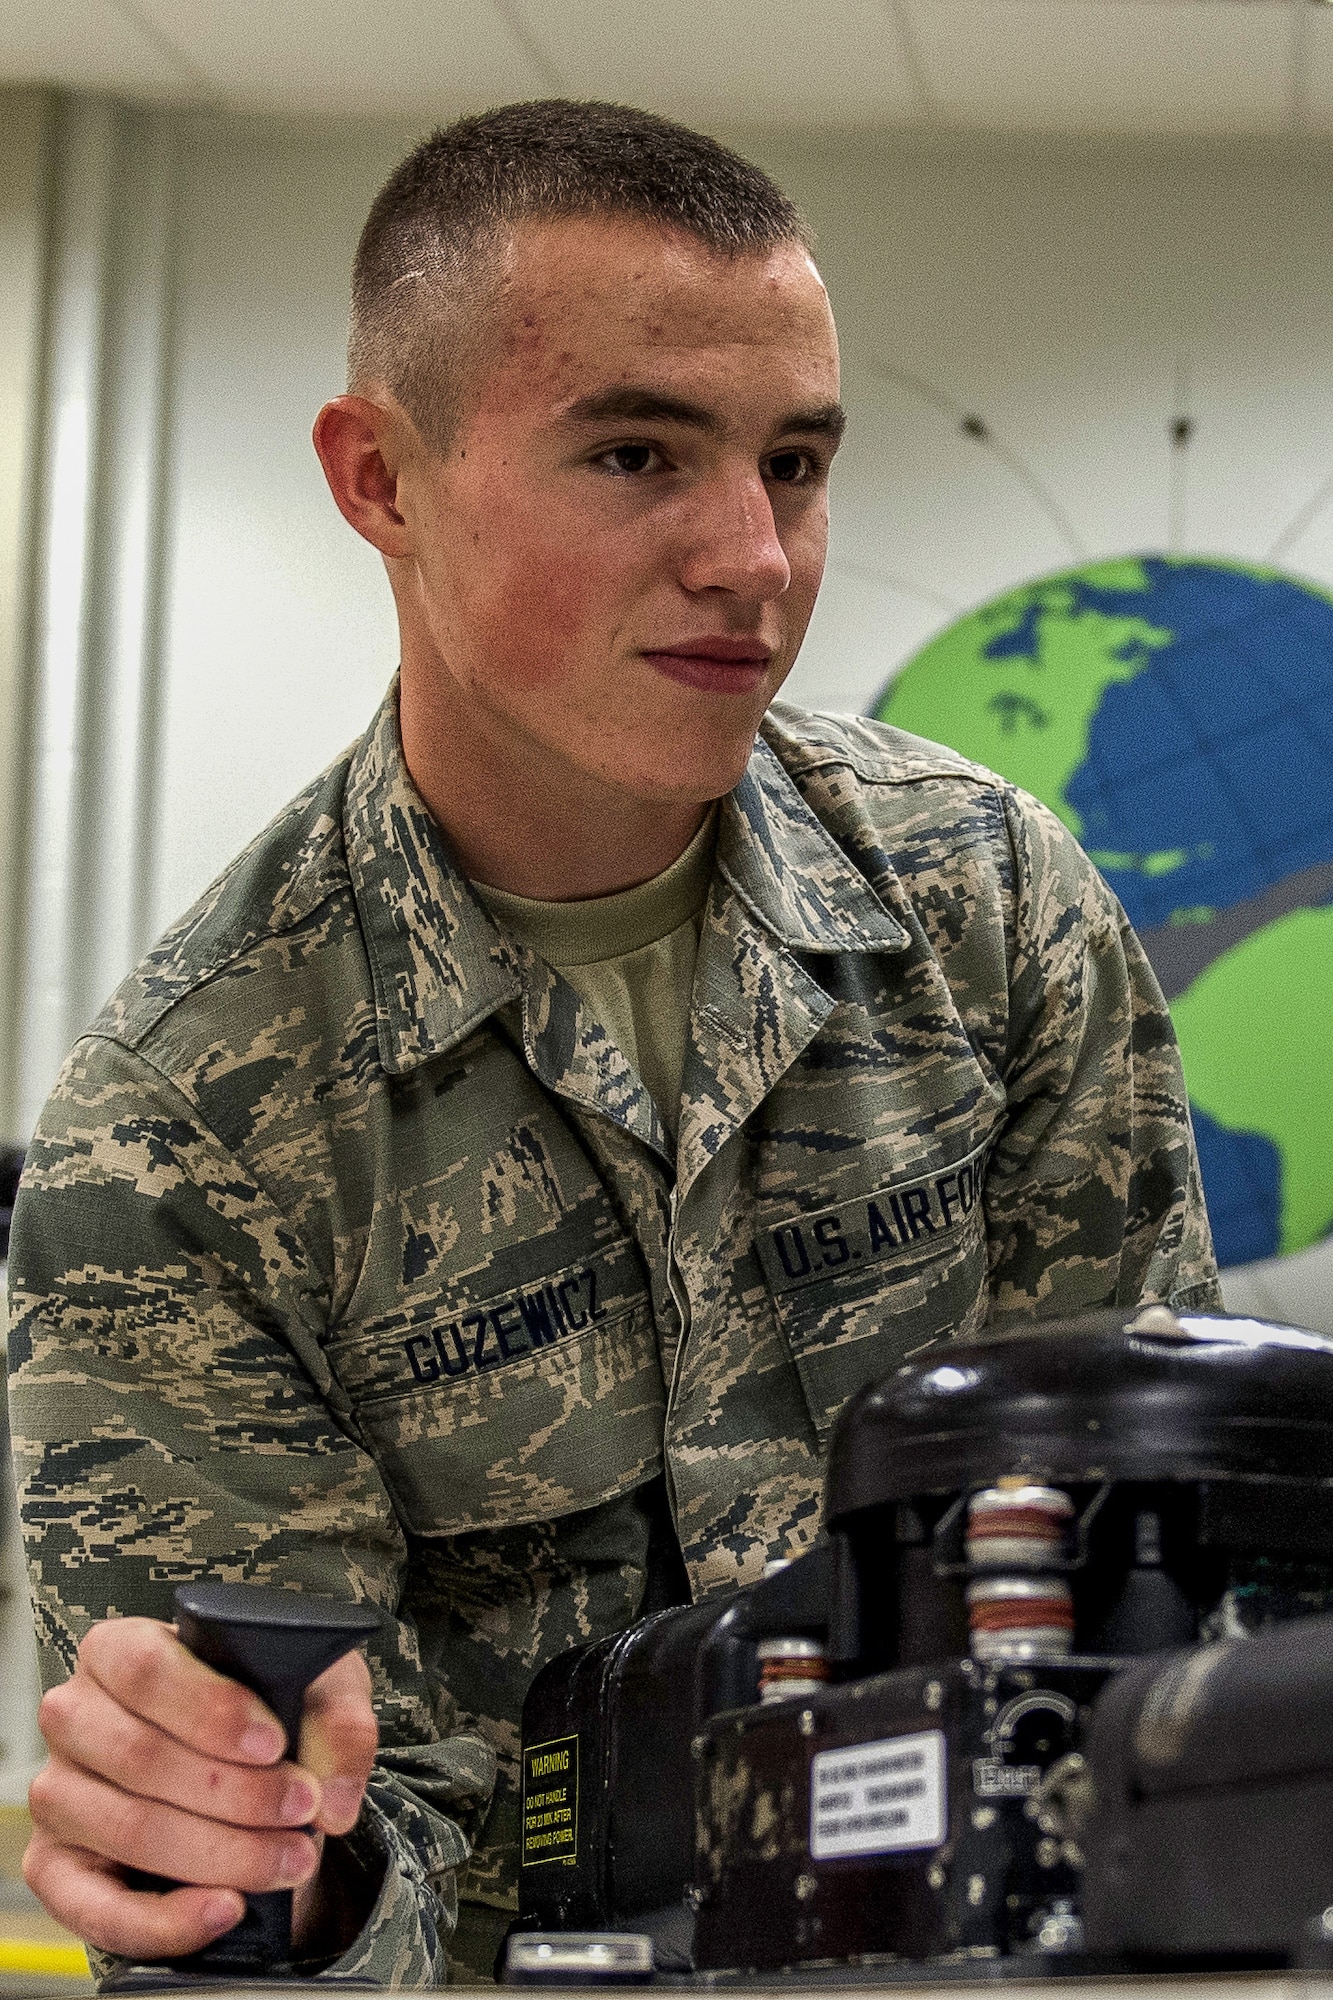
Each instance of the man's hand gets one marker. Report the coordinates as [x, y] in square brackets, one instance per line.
[160, 1764]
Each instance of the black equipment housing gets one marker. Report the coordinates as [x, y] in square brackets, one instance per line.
[989, 1887]
[1197, 1453]
[624, 1713]
[1212, 1834]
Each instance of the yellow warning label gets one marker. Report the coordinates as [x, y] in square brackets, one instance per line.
[551, 1801]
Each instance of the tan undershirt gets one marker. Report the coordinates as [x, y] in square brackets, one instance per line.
[630, 958]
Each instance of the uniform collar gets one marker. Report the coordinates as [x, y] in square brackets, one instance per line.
[439, 964]
[788, 870]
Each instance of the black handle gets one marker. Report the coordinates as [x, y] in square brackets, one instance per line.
[274, 1642]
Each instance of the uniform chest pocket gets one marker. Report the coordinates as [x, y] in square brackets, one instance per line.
[525, 1406]
[858, 1288]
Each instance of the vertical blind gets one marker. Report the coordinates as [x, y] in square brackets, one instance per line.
[86, 795]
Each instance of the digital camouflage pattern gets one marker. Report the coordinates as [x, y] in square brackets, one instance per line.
[352, 1255]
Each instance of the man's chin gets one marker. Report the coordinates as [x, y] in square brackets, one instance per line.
[692, 772]
[703, 744]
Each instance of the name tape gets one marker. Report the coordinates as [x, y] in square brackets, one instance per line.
[494, 1334]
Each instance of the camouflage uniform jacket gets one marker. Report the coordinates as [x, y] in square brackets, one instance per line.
[353, 1256]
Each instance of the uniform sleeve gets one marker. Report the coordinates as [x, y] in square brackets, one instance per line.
[1093, 1194]
[174, 1417]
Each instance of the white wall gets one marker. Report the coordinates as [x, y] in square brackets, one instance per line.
[279, 635]
[1062, 293]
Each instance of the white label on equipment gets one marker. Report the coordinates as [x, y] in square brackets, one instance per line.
[878, 1798]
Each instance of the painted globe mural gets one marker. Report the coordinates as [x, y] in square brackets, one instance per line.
[1178, 715]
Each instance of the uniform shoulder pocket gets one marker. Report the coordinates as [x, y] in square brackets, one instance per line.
[859, 1287]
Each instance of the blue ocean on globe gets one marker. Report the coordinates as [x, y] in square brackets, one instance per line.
[1178, 714]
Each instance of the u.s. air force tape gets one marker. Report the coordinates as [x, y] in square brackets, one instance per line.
[911, 1214]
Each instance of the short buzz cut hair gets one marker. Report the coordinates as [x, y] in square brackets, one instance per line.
[419, 290]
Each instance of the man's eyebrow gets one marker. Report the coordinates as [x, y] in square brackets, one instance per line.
[824, 419]
[639, 406]
[651, 406]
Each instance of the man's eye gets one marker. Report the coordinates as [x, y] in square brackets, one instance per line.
[631, 458]
[790, 468]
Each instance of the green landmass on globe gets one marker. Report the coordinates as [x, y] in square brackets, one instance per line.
[1177, 713]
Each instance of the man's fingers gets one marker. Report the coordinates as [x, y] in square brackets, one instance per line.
[86, 1726]
[143, 1666]
[160, 1764]
[339, 1736]
[76, 1809]
[84, 1893]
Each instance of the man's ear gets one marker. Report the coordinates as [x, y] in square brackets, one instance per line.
[362, 445]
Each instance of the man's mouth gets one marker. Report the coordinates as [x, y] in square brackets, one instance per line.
[717, 663]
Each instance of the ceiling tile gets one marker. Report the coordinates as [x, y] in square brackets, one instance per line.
[86, 45]
[797, 63]
[1108, 66]
[426, 58]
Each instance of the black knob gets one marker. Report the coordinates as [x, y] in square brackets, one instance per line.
[274, 1642]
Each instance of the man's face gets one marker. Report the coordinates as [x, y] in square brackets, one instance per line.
[615, 561]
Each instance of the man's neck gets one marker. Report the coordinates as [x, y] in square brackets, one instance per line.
[554, 834]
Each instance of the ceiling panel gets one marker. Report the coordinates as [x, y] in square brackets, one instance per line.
[414, 57]
[1108, 65]
[1135, 66]
[783, 62]
[86, 45]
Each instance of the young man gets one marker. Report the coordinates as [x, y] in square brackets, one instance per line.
[483, 1202]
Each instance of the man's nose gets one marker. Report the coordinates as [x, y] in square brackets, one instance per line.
[735, 544]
